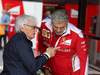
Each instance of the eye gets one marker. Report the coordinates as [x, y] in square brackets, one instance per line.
[35, 27]
[61, 27]
[55, 27]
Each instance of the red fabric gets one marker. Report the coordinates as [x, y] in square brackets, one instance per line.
[36, 51]
[11, 28]
[10, 34]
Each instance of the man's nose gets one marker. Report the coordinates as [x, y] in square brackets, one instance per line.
[58, 30]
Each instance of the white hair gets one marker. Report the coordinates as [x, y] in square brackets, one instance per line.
[22, 20]
[60, 16]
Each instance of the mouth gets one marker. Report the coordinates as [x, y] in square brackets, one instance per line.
[58, 33]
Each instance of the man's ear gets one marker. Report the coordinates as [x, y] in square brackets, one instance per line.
[21, 28]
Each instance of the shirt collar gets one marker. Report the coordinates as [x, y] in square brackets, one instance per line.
[26, 38]
[67, 30]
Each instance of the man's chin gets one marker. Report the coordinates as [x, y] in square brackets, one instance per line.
[32, 38]
[58, 33]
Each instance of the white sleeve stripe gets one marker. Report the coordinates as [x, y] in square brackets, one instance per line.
[81, 34]
[47, 54]
[86, 68]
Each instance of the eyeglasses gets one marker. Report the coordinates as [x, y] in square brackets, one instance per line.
[33, 27]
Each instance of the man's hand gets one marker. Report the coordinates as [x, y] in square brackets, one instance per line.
[51, 51]
[47, 72]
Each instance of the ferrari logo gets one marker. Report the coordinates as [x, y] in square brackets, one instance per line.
[8, 6]
[64, 39]
[44, 32]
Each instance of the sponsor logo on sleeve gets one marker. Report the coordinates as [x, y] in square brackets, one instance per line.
[45, 43]
[85, 49]
[64, 39]
[83, 45]
[83, 42]
[67, 42]
[46, 33]
[64, 50]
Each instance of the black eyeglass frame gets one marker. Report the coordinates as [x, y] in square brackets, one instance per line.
[34, 27]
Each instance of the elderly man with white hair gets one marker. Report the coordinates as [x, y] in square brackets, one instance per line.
[18, 56]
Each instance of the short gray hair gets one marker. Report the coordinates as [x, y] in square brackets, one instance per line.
[60, 16]
[22, 20]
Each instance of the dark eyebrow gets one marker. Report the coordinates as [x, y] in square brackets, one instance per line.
[55, 26]
[59, 27]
